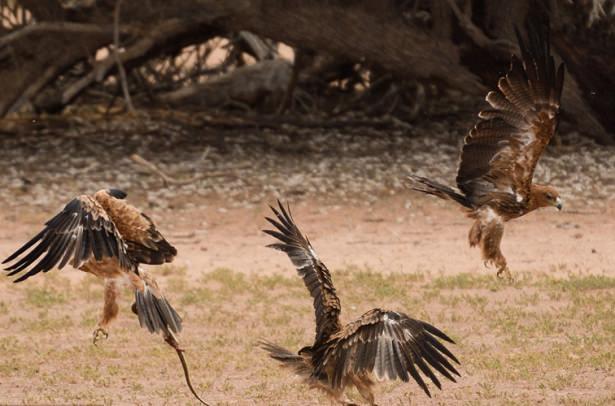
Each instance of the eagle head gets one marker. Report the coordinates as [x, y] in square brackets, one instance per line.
[117, 193]
[546, 196]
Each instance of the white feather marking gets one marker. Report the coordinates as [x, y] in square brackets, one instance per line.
[313, 253]
[379, 367]
[490, 214]
[408, 335]
[526, 138]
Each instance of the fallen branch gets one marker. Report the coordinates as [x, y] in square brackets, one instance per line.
[168, 180]
[33, 89]
[26, 65]
[260, 49]
[370, 33]
[246, 86]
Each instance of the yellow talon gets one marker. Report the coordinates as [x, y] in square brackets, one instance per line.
[100, 333]
[504, 273]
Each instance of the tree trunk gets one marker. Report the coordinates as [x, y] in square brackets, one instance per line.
[37, 56]
[357, 30]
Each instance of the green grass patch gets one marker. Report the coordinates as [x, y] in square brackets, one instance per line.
[44, 296]
[467, 281]
[576, 283]
[518, 343]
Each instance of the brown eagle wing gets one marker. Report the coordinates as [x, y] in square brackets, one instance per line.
[82, 230]
[144, 243]
[391, 346]
[315, 274]
[501, 152]
[151, 247]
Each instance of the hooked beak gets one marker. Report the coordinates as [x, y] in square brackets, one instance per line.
[559, 204]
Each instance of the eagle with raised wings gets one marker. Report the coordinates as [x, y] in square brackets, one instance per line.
[103, 235]
[500, 153]
[380, 345]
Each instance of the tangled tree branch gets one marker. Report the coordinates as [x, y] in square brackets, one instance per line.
[426, 44]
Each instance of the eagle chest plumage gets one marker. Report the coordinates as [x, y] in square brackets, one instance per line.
[105, 268]
[510, 208]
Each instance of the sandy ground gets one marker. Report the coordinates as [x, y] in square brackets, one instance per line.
[406, 234]
[546, 339]
[46, 341]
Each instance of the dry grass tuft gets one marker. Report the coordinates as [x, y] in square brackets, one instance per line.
[541, 339]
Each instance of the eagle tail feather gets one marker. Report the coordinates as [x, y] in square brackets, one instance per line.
[155, 313]
[430, 187]
[287, 358]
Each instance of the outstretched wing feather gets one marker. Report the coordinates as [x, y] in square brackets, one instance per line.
[500, 153]
[81, 231]
[315, 274]
[391, 346]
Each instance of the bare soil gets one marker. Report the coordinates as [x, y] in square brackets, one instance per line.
[548, 338]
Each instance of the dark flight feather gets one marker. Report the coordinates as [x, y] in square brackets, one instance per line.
[151, 247]
[500, 153]
[315, 274]
[390, 345]
[80, 231]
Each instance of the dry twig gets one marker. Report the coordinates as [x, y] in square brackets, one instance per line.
[169, 180]
[116, 56]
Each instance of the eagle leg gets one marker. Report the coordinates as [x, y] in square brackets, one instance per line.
[503, 271]
[363, 385]
[336, 395]
[110, 310]
[487, 232]
[343, 399]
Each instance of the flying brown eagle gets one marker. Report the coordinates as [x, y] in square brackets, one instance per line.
[380, 345]
[500, 153]
[107, 237]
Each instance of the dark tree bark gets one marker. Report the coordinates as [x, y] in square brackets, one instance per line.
[595, 71]
[354, 30]
[36, 55]
[501, 16]
[262, 84]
